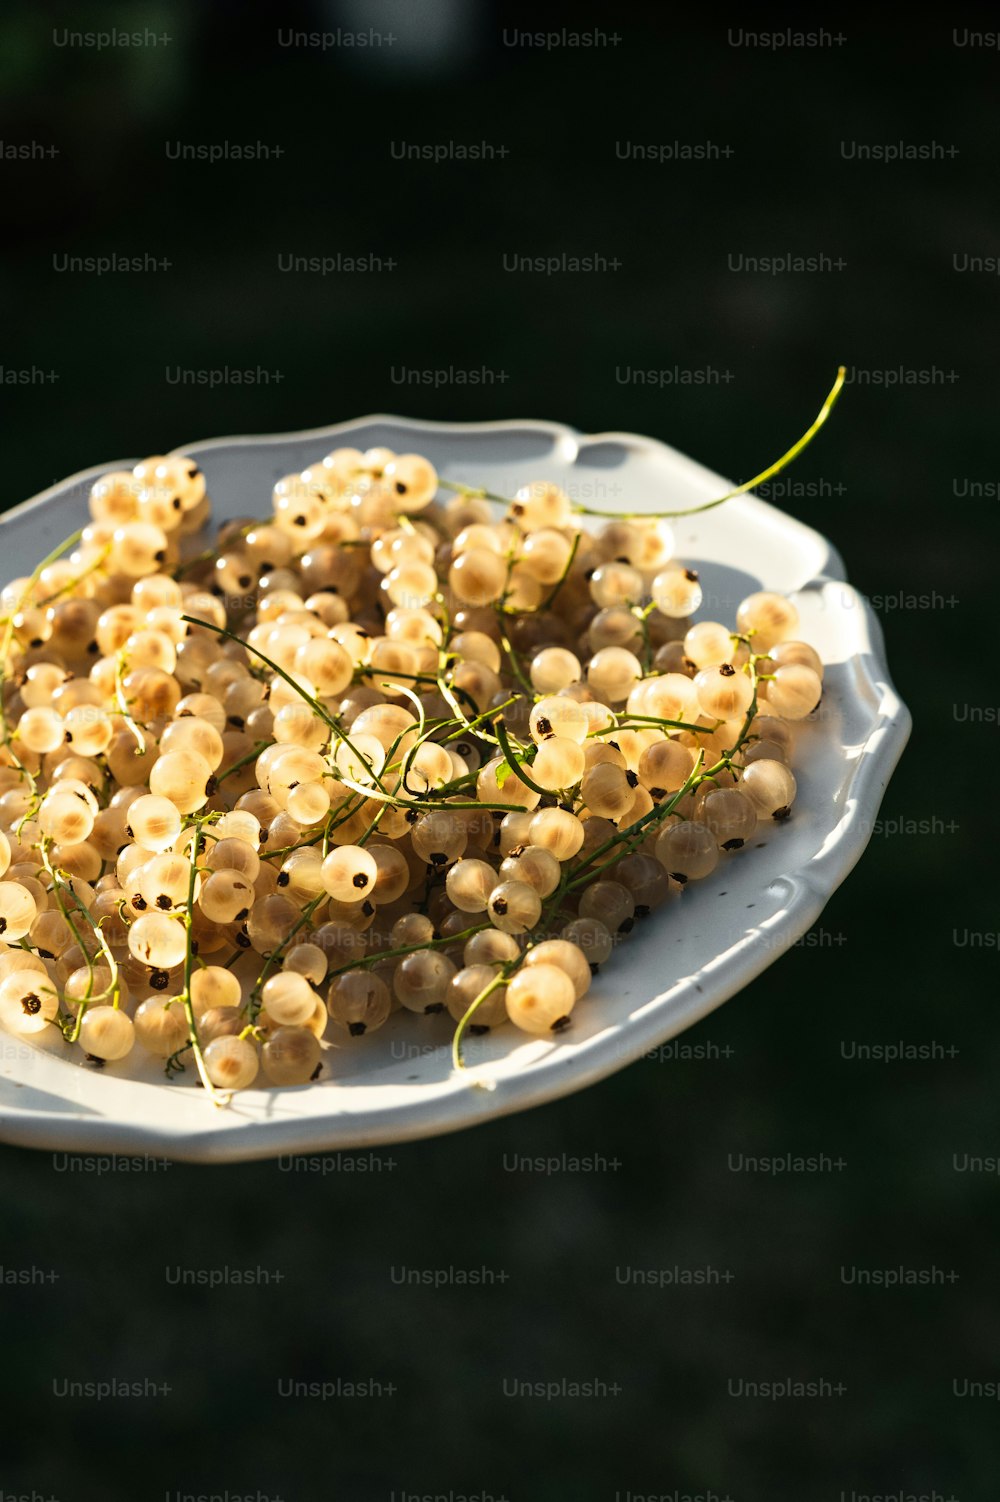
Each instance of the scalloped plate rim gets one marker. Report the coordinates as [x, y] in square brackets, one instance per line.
[755, 504]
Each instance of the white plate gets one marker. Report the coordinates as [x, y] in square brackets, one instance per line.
[681, 963]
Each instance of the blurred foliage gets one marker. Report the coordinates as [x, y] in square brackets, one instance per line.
[896, 453]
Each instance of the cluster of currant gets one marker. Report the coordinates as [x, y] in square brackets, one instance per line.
[380, 750]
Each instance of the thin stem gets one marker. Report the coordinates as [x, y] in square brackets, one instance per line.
[765, 474]
[123, 709]
[185, 996]
[457, 1060]
[314, 704]
[244, 761]
[516, 765]
[59, 887]
[473, 492]
[277, 953]
[650, 719]
[550, 598]
[378, 955]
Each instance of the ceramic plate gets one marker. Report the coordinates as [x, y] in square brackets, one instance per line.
[683, 962]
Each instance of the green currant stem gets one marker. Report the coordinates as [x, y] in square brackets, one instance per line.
[650, 719]
[58, 889]
[510, 757]
[447, 692]
[185, 996]
[276, 954]
[581, 875]
[211, 554]
[642, 616]
[515, 662]
[314, 704]
[364, 672]
[473, 492]
[468, 727]
[479, 492]
[244, 761]
[397, 802]
[91, 568]
[458, 1063]
[377, 956]
[765, 474]
[500, 609]
[373, 826]
[550, 598]
[122, 702]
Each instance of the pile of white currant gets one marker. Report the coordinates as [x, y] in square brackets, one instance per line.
[381, 750]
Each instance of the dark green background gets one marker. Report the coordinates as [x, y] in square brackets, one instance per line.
[886, 474]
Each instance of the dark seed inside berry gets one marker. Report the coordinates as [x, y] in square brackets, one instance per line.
[361, 880]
